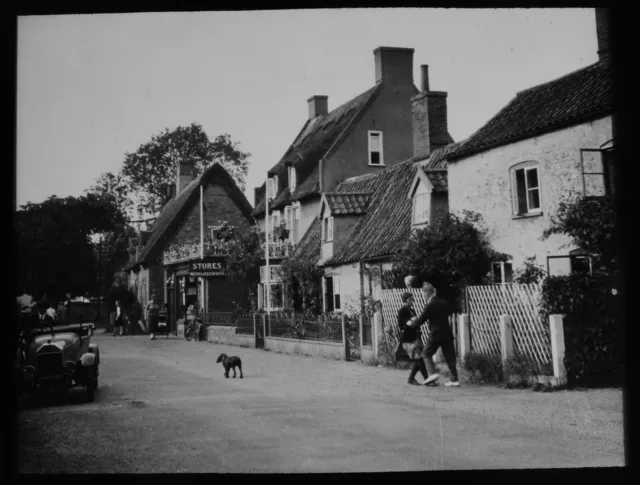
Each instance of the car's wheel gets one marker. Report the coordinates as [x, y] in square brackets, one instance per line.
[91, 390]
[95, 380]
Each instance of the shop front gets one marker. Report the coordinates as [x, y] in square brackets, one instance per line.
[202, 283]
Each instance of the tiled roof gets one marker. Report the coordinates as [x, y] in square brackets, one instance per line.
[580, 96]
[348, 203]
[309, 245]
[387, 223]
[172, 213]
[315, 140]
[438, 179]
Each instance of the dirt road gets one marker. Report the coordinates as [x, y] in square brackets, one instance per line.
[165, 406]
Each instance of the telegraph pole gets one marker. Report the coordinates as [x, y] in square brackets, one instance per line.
[99, 278]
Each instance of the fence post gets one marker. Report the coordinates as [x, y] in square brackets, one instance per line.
[377, 332]
[255, 332]
[506, 337]
[463, 335]
[557, 348]
[345, 339]
[361, 324]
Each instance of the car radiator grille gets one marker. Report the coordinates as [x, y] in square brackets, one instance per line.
[49, 364]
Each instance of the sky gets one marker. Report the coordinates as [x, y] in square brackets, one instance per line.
[91, 88]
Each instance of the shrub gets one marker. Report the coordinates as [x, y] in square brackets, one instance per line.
[591, 326]
[519, 368]
[483, 368]
[530, 273]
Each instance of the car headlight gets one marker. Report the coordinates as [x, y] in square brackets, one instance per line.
[69, 368]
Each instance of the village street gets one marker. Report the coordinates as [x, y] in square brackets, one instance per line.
[165, 406]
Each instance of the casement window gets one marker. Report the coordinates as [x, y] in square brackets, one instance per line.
[292, 179]
[276, 273]
[525, 182]
[272, 187]
[502, 272]
[292, 218]
[331, 286]
[327, 229]
[574, 262]
[375, 148]
[421, 208]
[597, 172]
[271, 299]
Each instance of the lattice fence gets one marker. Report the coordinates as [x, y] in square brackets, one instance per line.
[391, 304]
[530, 334]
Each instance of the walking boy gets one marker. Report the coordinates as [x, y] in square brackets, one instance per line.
[440, 335]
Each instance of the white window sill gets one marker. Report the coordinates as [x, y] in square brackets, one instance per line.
[527, 215]
[376, 164]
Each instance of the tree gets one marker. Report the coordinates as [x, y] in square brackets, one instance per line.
[154, 165]
[591, 224]
[245, 257]
[55, 254]
[301, 280]
[450, 251]
[114, 188]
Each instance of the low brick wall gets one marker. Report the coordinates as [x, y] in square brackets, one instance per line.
[313, 348]
[222, 334]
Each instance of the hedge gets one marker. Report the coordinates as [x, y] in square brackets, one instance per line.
[592, 323]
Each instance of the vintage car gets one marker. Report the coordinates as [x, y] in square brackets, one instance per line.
[59, 357]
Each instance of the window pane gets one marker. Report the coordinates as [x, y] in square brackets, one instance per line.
[496, 269]
[594, 185]
[375, 142]
[328, 282]
[521, 192]
[534, 199]
[608, 159]
[532, 178]
[336, 284]
[580, 264]
[508, 273]
[337, 301]
[559, 266]
[375, 158]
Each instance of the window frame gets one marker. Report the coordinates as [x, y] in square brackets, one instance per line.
[415, 222]
[607, 160]
[378, 133]
[336, 303]
[515, 197]
[274, 187]
[292, 178]
[327, 229]
[502, 272]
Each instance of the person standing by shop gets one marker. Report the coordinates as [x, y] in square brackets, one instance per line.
[152, 316]
[118, 323]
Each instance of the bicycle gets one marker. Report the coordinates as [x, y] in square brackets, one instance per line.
[193, 330]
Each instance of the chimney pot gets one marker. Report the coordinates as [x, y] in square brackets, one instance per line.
[186, 173]
[424, 71]
[318, 106]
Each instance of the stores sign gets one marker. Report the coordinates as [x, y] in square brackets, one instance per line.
[207, 267]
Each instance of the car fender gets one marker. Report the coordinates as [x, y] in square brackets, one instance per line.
[93, 348]
[88, 359]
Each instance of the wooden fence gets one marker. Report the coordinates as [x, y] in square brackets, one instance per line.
[392, 302]
[487, 303]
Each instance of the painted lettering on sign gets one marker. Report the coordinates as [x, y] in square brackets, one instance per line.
[207, 268]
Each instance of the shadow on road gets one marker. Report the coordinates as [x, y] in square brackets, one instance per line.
[43, 399]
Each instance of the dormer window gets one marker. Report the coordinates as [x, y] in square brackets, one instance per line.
[292, 179]
[375, 148]
[327, 229]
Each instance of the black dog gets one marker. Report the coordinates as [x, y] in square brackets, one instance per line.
[230, 363]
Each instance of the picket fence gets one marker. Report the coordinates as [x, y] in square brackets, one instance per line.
[487, 303]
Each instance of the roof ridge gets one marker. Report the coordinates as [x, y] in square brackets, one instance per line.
[569, 74]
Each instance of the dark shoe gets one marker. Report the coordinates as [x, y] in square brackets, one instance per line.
[413, 382]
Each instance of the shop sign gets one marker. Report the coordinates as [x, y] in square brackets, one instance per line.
[207, 267]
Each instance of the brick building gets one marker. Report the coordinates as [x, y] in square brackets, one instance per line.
[549, 141]
[170, 258]
[364, 136]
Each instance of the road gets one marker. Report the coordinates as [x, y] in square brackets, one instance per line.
[165, 406]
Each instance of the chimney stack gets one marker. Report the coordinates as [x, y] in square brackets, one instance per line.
[393, 65]
[318, 106]
[186, 173]
[429, 113]
[602, 31]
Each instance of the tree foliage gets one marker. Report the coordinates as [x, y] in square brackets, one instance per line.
[590, 223]
[301, 284]
[450, 251]
[529, 273]
[153, 166]
[54, 249]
